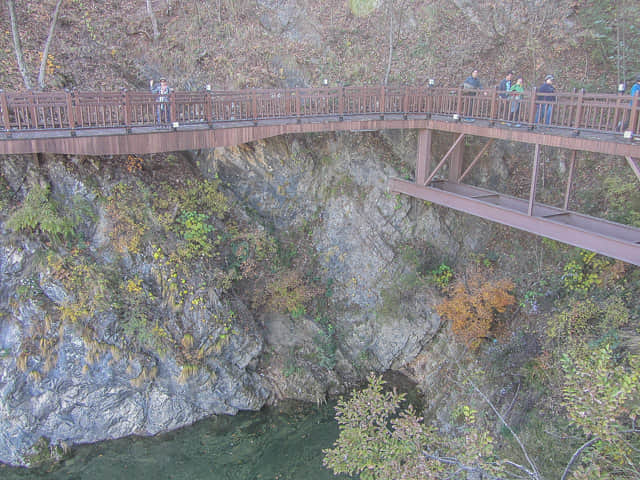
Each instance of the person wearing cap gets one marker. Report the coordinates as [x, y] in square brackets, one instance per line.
[163, 112]
[545, 105]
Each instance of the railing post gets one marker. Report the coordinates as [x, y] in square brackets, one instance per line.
[382, 108]
[34, 115]
[459, 102]
[618, 123]
[172, 102]
[126, 112]
[5, 111]
[405, 101]
[341, 102]
[532, 107]
[578, 117]
[254, 105]
[298, 102]
[208, 105]
[492, 113]
[70, 110]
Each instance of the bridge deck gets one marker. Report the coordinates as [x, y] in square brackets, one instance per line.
[98, 123]
[609, 238]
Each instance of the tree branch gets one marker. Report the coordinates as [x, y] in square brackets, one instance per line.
[575, 456]
[460, 465]
[17, 46]
[45, 50]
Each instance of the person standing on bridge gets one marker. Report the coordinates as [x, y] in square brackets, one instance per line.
[545, 108]
[163, 110]
[516, 92]
[471, 84]
[504, 88]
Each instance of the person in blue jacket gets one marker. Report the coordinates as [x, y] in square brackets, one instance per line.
[545, 109]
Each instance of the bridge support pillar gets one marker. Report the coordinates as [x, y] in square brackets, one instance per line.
[567, 193]
[423, 160]
[534, 180]
[455, 164]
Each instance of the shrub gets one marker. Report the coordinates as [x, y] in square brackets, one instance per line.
[472, 308]
[39, 212]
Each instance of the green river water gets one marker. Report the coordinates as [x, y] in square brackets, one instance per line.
[279, 443]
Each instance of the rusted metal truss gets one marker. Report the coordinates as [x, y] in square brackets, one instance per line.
[602, 236]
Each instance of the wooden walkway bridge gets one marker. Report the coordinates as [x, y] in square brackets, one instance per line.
[111, 123]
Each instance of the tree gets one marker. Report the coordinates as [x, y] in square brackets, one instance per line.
[17, 45]
[380, 441]
[154, 21]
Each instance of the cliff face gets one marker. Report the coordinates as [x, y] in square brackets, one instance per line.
[139, 295]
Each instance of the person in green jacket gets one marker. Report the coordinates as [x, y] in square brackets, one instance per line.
[517, 89]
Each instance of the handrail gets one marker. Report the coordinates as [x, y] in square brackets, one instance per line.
[24, 111]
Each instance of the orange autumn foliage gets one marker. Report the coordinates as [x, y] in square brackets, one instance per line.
[472, 307]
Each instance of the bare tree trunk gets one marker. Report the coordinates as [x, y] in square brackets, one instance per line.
[45, 50]
[17, 46]
[390, 13]
[154, 21]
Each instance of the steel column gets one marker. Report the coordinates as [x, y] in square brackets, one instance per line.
[534, 179]
[567, 192]
[423, 160]
[455, 165]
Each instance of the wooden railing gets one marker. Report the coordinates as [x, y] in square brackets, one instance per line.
[76, 110]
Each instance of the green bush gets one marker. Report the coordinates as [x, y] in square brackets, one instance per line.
[39, 213]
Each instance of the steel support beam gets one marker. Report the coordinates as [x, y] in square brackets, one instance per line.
[534, 179]
[475, 160]
[423, 161]
[444, 159]
[455, 165]
[567, 193]
[633, 164]
[601, 236]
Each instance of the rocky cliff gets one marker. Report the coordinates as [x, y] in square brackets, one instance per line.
[141, 294]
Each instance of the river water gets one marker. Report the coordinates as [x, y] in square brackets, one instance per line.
[277, 443]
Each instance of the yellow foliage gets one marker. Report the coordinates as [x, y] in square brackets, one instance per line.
[472, 307]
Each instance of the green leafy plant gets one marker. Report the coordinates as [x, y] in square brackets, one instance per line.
[39, 213]
[195, 230]
[442, 276]
[582, 274]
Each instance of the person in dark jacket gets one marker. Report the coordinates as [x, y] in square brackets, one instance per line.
[505, 85]
[471, 84]
[545, 102]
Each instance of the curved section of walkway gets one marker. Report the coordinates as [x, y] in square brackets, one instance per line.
[135, 122]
